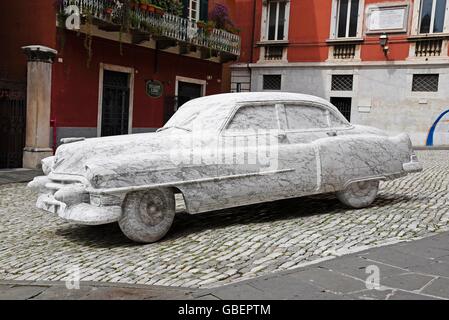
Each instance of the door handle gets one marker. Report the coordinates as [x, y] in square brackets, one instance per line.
[332, 133]
[281, 136]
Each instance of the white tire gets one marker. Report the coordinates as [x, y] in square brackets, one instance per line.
[147, 215]
[359, 194]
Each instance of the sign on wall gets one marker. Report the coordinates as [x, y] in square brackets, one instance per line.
[387, 19]
[154, 88]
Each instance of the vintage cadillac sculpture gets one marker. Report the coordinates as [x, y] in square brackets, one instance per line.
[219, 152]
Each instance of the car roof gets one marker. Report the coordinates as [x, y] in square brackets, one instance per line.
[213, 110]
[242, 97]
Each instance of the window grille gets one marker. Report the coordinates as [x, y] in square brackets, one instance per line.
[343, 82]
[272, 82]
[425, 82]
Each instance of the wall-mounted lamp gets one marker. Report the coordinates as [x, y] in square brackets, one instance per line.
[383, 40]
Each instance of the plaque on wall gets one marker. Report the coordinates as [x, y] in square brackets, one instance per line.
[154, 88]
[387, 19]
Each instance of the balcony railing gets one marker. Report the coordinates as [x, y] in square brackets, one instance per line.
[428, 48]
[158, 25]
[344, 51]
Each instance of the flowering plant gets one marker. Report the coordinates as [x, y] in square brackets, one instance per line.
[220, 15]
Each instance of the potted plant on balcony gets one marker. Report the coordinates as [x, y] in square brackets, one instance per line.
[159, 11]
[233, 30]
[210, 26]
[201, 24]
[109, 7]
[220, 15]
[143, 5]
[151, 7]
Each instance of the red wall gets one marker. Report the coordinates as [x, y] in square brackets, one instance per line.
[24, 23]
[309, 28]
[75, 86]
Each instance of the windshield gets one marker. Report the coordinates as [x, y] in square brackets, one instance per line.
[181, 122]
[200, 114]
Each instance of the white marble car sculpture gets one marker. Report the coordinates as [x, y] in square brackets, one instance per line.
[133, 179]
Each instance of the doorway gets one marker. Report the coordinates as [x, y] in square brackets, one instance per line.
[12, 123]
[343, 105]
[115, 103]
[188, 91]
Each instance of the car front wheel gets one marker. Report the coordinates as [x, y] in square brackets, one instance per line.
[147, 215]
[359, 194]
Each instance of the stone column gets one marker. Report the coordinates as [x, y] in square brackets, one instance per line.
[37, 146]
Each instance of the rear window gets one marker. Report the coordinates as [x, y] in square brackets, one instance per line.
[303, 117]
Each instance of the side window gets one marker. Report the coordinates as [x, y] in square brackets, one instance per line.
[303, 117]
[337, 122]
[254, 118]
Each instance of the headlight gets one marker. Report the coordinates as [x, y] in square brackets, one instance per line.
[47, 165]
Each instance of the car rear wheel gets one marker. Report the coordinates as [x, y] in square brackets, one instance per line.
[148, 215]
[359, 194]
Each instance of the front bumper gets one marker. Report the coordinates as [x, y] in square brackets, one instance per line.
[70, 202]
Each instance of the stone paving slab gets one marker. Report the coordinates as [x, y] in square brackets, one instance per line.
[337, 279]
[223, 247]
[18, 175]
[341, 279]
[25, 290]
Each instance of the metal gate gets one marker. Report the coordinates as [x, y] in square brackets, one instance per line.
[115, 109]
[343, 105]
[12, 123]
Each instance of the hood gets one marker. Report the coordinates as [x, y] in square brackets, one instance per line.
[73, 158]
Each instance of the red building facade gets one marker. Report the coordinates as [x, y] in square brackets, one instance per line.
[382, 62]
[122, 69]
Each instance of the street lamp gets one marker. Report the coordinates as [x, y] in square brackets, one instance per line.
[383, 40]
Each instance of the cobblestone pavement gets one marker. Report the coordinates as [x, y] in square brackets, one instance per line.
[213, 249]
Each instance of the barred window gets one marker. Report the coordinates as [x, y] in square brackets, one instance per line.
[342, 82]
[272, 82]
[425, 82]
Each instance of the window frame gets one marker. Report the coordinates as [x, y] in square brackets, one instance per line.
[335, 21]
[190, 10]
[416, 28]
[266, 20]
[328, 110]
[229, 133]
[432, 17]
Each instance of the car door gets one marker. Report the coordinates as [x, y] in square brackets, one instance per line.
[305, 123]
[252, 166]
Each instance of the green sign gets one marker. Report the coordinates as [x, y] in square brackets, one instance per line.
[154, 88]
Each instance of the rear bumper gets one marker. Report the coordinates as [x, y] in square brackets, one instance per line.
[413, 166]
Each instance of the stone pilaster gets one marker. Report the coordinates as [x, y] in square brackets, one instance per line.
[37, 146]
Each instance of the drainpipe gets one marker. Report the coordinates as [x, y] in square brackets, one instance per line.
[53, 125]
[252, 45]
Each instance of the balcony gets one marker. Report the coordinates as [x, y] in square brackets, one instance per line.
[167, 29]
